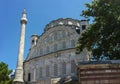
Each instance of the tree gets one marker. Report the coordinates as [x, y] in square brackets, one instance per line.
[103, 35]
[4, 74]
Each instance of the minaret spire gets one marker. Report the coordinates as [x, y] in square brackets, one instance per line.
[19, 70]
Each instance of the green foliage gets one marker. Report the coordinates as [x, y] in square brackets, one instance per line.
[4, 74]
[103, 35]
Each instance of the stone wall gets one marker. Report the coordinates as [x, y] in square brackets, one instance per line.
[99, 73]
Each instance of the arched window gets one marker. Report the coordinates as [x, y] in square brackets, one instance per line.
[41, 51]
[60, 34]
[29, 77]
[63, 34]
[73, 66]
[50, 38]
[32, 41]
[55, 70]
[55, 47]
[45, 40]
[63, 68]
[40, 73]
[64, 44]
[55, 36]
[47, 50]
[47, 71]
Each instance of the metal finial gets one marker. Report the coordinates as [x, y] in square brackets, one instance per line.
[24, 11]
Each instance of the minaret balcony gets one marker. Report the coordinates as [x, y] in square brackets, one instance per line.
[23, 20]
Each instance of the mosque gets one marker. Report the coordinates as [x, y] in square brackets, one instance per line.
[52, 55]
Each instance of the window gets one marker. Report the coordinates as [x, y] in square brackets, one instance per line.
[55, 70]
[83, 27]
[63, 34]
[40, 74]
[55, 47]
[63, 68]
[60, 34]
[45, 40]
[33, 41]
[64, 44]
[55, 36]
[50, 38]
[29, 77]
[73, 66]
[47, 50]
[41, 51]
[72, 43]
[47, 71]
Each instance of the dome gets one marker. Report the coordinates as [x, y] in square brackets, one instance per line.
[62, 21]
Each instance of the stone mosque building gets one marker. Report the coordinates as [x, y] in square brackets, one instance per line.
[52, 54]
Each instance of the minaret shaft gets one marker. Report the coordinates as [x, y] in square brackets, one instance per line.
[21, 47]
[19, 70]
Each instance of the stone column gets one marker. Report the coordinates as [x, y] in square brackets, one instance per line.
[19, 70]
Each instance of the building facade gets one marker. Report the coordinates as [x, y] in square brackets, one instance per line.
[52, 55]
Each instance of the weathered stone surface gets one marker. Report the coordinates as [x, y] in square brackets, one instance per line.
[52, 54]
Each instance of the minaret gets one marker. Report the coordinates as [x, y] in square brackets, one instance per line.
[19, 69]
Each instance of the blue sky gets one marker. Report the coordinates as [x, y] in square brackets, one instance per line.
[39, 13]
